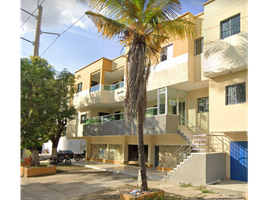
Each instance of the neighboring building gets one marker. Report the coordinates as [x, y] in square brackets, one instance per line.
[77, 146]
[197, 102]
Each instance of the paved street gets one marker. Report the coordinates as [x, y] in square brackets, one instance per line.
[70, 185]
[79, 183]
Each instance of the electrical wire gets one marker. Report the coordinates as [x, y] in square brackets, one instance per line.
[61, 34]
[32, 14]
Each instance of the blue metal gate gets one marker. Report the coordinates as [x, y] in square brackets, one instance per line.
[239, 160]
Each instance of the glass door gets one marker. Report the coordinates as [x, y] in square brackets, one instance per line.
[182, 108]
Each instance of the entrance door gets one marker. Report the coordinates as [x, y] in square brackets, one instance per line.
[182, 110]
[156, 156]
[239, 160]
[133, 153]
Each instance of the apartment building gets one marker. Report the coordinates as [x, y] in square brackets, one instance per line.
[197, 102]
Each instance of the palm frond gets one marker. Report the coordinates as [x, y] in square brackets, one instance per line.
[115, 9]
[107, 26]
[158, 10]
[179, 27]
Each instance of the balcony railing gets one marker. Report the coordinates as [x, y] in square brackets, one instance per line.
[107, 87]
[95, 88]
[157, 124]
[117, 116]
[114, 86]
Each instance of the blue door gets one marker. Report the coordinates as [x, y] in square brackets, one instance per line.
[239, 160]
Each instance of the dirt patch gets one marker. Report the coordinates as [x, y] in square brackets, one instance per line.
[63, 168]
[114, 194]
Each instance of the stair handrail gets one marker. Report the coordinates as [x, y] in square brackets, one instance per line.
[186, 144]
[191, 124]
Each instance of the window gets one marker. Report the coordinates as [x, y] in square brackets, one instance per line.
[203, 105]
[236, 94]
[198, 46]
[166, 53]
[93, 83]
[79, 87]
[230, 26]
[83, 119]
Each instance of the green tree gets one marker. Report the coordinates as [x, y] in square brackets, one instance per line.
[61, 110]
[36, 76]
[45, 104]
[142, 26]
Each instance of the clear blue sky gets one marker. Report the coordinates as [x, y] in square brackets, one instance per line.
[81, 44]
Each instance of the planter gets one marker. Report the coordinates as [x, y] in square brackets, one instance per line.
[126, 196]
[39, 171]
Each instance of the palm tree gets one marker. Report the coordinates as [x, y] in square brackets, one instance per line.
[142, 26]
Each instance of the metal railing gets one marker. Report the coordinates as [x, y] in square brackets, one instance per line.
[117, 116]
[193, 145]
[213, 143]
[114, 86]
[95, 88]
[182, 118]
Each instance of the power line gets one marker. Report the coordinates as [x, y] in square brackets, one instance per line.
[31, 14]
[61, 34]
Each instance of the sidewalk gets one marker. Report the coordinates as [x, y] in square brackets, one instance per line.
[226, 187]
[152, 174]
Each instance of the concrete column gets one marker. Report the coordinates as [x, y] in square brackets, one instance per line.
[125, 148]
[102, 76]
[90, 78]
[88, 148]
[151, 150]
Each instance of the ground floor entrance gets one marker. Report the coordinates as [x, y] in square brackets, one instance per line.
[133, 154]
[239, 160]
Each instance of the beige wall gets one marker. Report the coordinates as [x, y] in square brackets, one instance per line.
[150, 140]
[85, 73]
[200, 120]
[227, 118]
[200, 169]
[100, 66]
[217, 11]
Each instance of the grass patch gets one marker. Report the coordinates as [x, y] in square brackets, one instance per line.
[203, 189]
[135, 178]
[184, 185]
[41, 165]
[157, 197]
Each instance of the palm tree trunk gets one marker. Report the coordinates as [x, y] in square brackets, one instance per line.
[144, 186]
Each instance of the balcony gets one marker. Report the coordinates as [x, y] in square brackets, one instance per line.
[226, 56]
[100, 94]
[169, 72]
[116, 125]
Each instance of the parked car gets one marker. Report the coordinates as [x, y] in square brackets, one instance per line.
[65, 153]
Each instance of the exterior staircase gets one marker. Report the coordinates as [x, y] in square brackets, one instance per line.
[193, 153]
[195, 142]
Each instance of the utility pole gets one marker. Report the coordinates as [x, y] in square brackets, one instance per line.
[38, 31]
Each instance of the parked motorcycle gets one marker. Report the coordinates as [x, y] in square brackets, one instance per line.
[78, 157]
[60, 159]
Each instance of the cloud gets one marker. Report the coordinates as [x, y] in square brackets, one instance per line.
[57, 15]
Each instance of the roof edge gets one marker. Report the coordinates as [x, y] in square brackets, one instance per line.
[208, 2]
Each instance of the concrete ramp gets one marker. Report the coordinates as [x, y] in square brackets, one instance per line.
[200, 169]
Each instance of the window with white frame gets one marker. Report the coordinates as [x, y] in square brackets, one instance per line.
[236, 94]
[166, 52]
